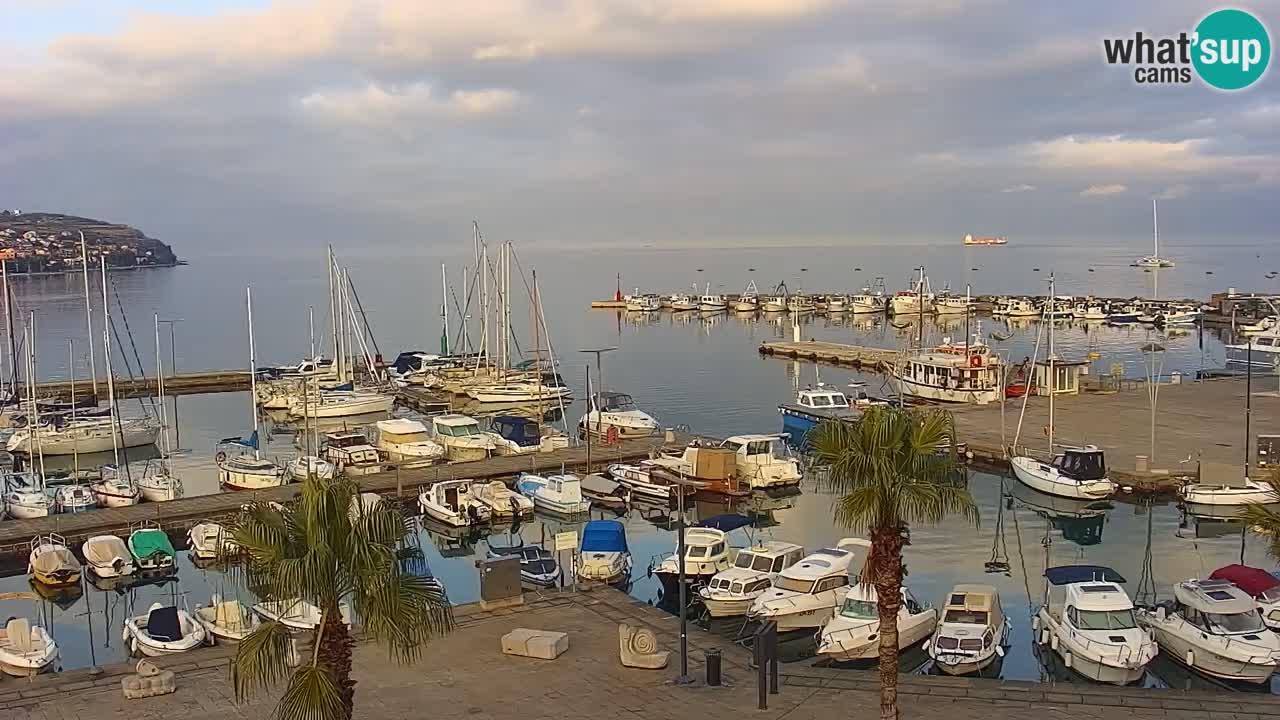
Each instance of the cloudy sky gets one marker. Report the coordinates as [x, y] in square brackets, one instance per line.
[230, 124]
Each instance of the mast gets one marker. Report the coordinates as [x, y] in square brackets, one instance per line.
[88, 312]
[1155, 229]
[29, 339]
[333, 317]
[253, 372]
[1053, 380]
[106, 352]
[164, 418]
[8, 317]
[71, 369]
[444, 310]
[311, 331]
[537, 341]
[920, 304]
[306, 386]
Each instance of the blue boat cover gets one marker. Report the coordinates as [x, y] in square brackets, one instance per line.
[726, 523]
[604, 536]
[519, 430]
[1070, 574]
[163, 624]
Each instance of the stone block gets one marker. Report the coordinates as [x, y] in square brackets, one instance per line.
[149, 681]
[540, 644]
[638, 648]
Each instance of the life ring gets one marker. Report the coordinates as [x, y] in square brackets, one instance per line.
[611, 435]
[975, 361]
[220, 457]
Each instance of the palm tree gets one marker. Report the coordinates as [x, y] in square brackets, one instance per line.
[329, 549]
[890, 475]
[1265, 518]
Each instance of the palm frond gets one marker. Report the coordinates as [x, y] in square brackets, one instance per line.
[312, 694]
[261, 659]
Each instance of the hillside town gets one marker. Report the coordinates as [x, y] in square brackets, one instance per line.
[39, 243]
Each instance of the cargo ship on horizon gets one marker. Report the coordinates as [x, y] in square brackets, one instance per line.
[971, 240]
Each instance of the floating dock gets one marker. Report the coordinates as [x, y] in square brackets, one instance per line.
[182, 384]
[830, 353]
[177, 516]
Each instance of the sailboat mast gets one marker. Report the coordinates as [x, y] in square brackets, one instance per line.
[1155, 230]
[444, 310]
[71, 371]
[253, 372]
[333, 316]
[164, 418]
[106, 353]
[8, 318]
[1053, 380]
[311, 332]
[31, 392]
[537, 344]
[88, 311]
[920, 304]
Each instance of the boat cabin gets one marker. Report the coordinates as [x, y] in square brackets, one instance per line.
[349, 448]
[1064, 379]
[769, 558]
[824, 569]
[455, 426]
[612, 402]
[1092, 598]
[520, 430]
[1086, 463]
[402, 431]
[1218, 607]
[823, 399]
[450, 493]
[1261, 585]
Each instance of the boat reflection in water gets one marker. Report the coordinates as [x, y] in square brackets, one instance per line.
[1080, 521]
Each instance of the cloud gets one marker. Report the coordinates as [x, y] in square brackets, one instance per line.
[1102, 190]
[1018, 188]
[1173, 192]
[376, 104]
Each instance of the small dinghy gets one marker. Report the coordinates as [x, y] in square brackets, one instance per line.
[208, 540]
[604, 492]
[164, 630]
[452, 503]
[26, 649]
[107, 556]
[296, 614]
[604, 553]
[51, 563]
[151, 548]
[538, 566]
[226, 620]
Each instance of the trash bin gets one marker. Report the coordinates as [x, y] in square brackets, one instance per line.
[713, 668]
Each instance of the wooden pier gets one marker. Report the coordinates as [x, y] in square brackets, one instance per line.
[182, 384]
[423, 401]
[838, 354]
[177, 516]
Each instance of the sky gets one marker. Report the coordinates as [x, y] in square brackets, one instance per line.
[228, 126]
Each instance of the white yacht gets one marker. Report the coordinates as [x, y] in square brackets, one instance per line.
[516, 435]
[340, 403]
[305, 466]
[1213, 627]
[730, 592]
[452, 503]
[1262, 352]
[519, 391]
[84, 435]
[1078, 473]
[462, 437]
[618, 412]
[1088, 620]
[806, 595]
[403, 439]
[560, 494]
[25, 497]
[706, 552]
[854, 632]
[763, 461]
[242, 470]
[501, 500]
[953, 372]
[351, 453]
[115, 489]
[972, 633]
[1260, 585]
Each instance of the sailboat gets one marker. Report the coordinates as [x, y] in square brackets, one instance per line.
[1153, 260]
[161, 484]
[1078, 473]
[238, 469]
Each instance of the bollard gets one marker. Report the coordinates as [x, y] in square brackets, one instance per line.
[713, 668]
[762, 687]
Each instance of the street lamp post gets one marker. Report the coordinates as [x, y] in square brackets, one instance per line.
[173, 372]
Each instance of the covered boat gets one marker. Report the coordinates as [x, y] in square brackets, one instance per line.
[538, 566]
[1260, 585]
[604, 492]
[503, 502]
[151, 548]
[51, 563]
[604, 554]
[226, 620]
[1089, 623]
[108, 556]
[972, 633]
[164, 630]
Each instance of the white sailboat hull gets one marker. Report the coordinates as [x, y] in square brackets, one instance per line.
[85, 439]
[1046, 478]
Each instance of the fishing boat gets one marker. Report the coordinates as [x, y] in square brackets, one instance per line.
[915, 301]
[1124, 314]
[853, 633]
[1213, 627]
[406, 440]
[501, 500]
[151, 549]
[603, 553]
[462, 438]
[1260, 585]
[869, 300]
[948, 303]
[73, 499]
[25, 497]
[226, 621]
[351, 453]
[641, 482]
[730, 592]
[1088, 620]
[642, 303]
[115, 489]
[1154, 260]
[538, 566]
[799, 304]
[305, 466]
[680, 302]
[972, 633]
[164, 630]
[749, 300]
[26, 649]
[452, 503]
[606, 493]
[107, 556]
[953, 372]
[1077, 473]
[775, 303]
[209, 540]
[617, 413]
[51, 563]
[712, 302]
[560, 494]
[1018, 308]
[805, 595]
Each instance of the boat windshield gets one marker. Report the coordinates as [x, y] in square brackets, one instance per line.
[966, 617]
[1106, 620]
[1270, 594]
[460, 430]
[794, 585]
[1234, 623]
[859, 609]
[619, 402]
[755, 562]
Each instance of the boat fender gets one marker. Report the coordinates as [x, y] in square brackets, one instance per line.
[1044, 636]
[1066, 659]
[975, 361]
[1053, 642]
[1000, 651]
[1035, 623]
[1191, 658]
[220, 457]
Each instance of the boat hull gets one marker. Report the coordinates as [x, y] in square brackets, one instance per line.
[724, 607]
[1208, 662]
[236, 480]
[948, 395]
[1034, 475]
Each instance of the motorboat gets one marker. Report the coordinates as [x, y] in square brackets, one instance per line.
[25, 497]
[1125, 314]
[151, 549]
[1019, 308]
[226, 621]
[799, 303]
[606, 493]
[853, 633]
[972, 633]
[340, 403]
[805, 595]
[240, 469]
[615, 412]
[603, 555]
[554, 493]
[1219, 485]
[462, 438]
[641, 482]
[73, 499]
[953, 372]
[501, 500]
[516, 435]
[160, 486]
[1078, 473]
[1261, 352]
[680, 302]
[107, 556]
[1088, 620]
[763, 462]
[26, 650]
[115, 489]
[452, 503]
[706, 552]
[1215, 628]
[404, 439]
[306, 466]
[519, 391]
[730, 592]
[1260, 585]
[51, 563]
[351, 453]
[837, 303]
[814, 405]
[538, 566]
[209, 540]
[66, 436]
[1090, 310]
[164, 630]
[1179, 315]
[642, 303]
[296, 614]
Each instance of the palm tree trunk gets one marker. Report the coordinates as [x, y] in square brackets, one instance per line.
[886, 575]
[334, 656]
